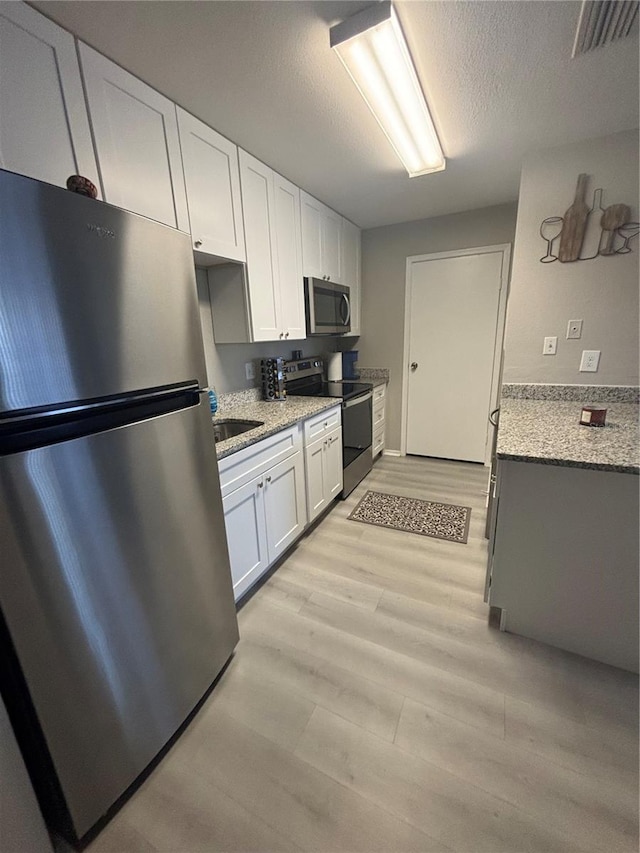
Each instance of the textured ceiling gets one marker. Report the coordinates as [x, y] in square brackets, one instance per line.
[498, 76]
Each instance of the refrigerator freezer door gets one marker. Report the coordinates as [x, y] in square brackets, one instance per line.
[116, 590]
[94, 301]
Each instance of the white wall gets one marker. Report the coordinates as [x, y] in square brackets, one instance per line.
[225, 362]
[603, 292]
[384, 254]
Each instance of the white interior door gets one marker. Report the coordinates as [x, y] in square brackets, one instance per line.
[453, 326]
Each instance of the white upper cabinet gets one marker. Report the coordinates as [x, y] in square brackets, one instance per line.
[260, 233]
[44, 129]
[289, 257]
[212, 180]
[321, 240]
[271, 209]
[311, 211]
[332, 244]
[136, 136]
[351, 269]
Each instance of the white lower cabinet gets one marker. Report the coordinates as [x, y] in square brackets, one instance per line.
[378, 419]
[263, 496]
[284, 504]
[323, 461]
[246, 534]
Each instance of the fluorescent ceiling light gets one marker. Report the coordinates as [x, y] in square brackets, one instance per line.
[373, 49]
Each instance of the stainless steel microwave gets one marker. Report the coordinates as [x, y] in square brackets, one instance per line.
[328, 307]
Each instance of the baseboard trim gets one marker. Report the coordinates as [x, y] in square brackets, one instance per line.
[386, 452]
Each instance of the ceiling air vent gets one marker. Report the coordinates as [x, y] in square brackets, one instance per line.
[604, 21]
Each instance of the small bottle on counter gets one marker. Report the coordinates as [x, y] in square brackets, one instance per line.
[213, 400]
[593, 416]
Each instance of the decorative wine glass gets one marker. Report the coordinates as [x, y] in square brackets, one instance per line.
[549, 230]
[627, 231]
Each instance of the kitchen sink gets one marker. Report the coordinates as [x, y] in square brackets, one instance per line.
[228, 428]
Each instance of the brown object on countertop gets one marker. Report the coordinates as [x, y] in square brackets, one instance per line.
[82, 186]
[593, 416]
[575, 221]
[615, 216]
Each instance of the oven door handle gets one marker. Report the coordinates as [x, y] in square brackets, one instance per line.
[362, 399]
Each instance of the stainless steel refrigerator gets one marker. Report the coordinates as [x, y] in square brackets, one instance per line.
[116, 600]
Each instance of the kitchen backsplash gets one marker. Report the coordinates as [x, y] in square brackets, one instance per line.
[373, 374]
[579, 393]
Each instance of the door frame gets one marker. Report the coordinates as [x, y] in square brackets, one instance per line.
[505, 250]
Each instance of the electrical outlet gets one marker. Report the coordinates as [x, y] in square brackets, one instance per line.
[590, 360]
[249, 370]
[574, 329]
[550, 345]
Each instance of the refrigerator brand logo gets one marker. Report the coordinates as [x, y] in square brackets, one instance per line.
[101, 231]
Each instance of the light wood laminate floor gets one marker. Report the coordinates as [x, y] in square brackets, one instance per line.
[369, 707]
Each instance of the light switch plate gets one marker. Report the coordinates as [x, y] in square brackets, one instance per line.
[550, 345]
[249, 370]
[590, 361]
[574, 329]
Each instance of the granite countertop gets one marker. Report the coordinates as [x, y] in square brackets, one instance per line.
[374, 375]
[548, 432]
[276, 416]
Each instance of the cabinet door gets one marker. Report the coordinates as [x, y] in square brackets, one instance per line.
[285, 504]
[311, 215]
[351, 254]
[315, 468]
[246, 534]
[44, 128]
[213, 189]
[256, 181]
[331, 223]
[333, 465]
[289, 257]
[136, 135]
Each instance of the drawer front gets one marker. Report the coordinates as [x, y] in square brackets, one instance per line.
[238, 468]
[378, 441]
[378, 417]
[323, 422]
[379, 393]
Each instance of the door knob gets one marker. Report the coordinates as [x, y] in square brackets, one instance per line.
[414, 365]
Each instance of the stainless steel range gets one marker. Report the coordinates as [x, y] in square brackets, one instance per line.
[305, 378]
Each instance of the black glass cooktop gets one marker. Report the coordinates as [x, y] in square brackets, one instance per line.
[343, 390]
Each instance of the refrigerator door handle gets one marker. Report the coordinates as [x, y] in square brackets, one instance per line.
[32, 429]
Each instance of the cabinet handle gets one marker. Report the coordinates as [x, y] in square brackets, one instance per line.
[328, 278]
[268, 479]
[286, 334]
[260, 484]
[281, 335]
[197, 244]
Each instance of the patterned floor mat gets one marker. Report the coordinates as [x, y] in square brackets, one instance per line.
[427, 518]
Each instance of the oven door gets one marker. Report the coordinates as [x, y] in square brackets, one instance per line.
[357, 428]
[328, 307]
